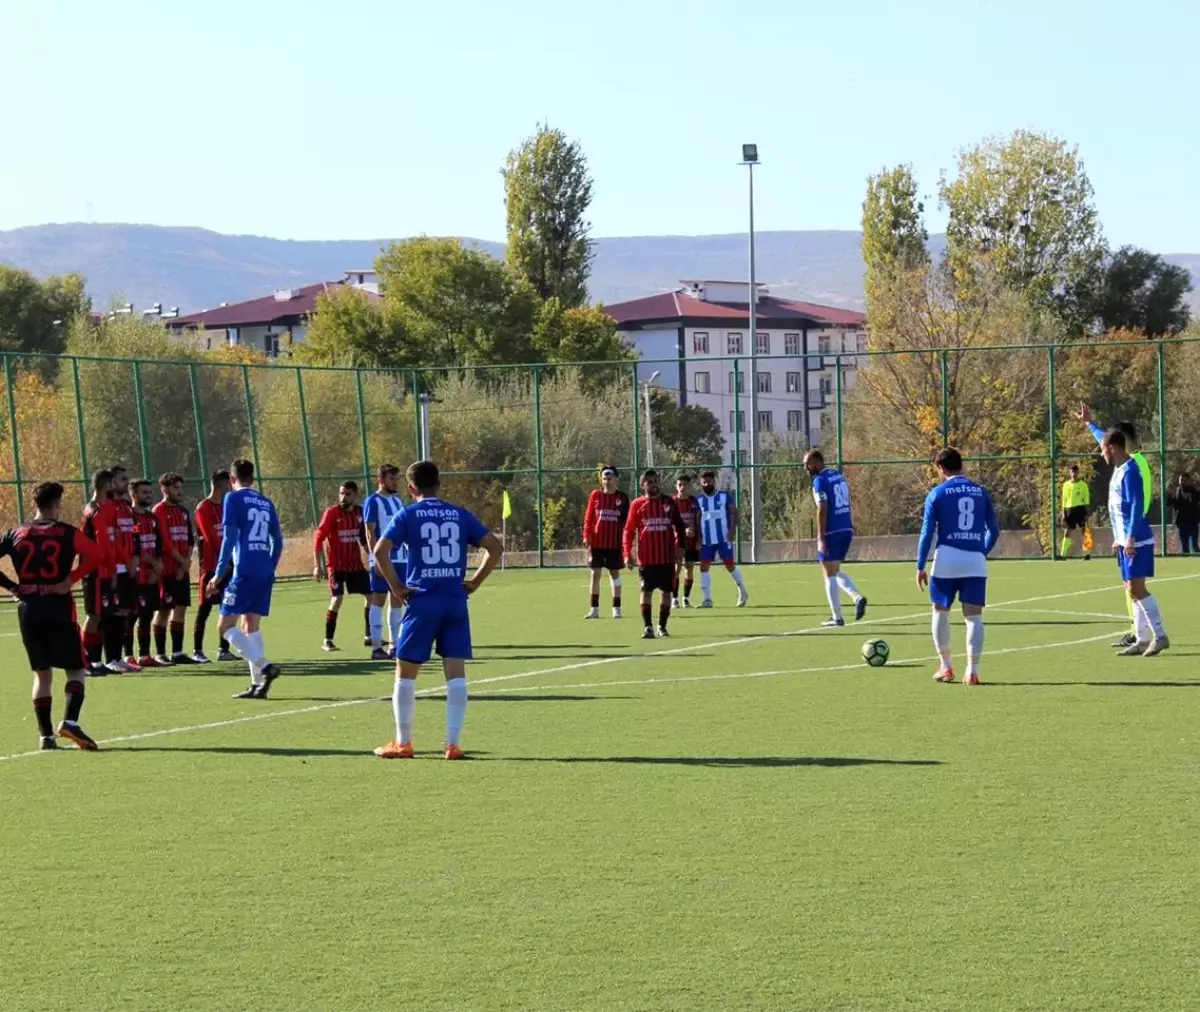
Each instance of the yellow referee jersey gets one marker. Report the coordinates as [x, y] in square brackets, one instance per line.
[1075, 493]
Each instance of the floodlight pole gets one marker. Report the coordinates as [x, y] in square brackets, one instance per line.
[750, 159]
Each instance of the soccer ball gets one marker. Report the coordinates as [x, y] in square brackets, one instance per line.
[876, 653]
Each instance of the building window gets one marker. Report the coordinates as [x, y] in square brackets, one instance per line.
[765, 422]
[762, 344]
[823, 344]
[271, 345]
[763, 382]
[738, 380]
[827, 385]
[862, 341]
[702, 384]
[795, 382]
[737, 421]
[743, 457]
[795, 423]
[733, 344]
[791, 344]
[700, 342]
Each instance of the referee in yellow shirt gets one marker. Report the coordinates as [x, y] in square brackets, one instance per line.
[1076, 499]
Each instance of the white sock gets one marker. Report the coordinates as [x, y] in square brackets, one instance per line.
[456, 708]
[376, 625]
[249, 645]
[395, 617]
[737, 578]
[706, 585]
[1153, 616]
[974, 641]
[834, 596]
[941, 636]
[848, 586]
[404, 706]
[1141, 623]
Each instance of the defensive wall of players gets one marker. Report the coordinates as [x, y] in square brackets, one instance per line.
[539, 432]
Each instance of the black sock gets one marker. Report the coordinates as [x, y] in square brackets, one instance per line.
[95, 644]
[330, 624]
[160, 640]
[595, 600]
[202, 614]
[367, 620]
[74, 701]
[664, 613]
[127, 640]
[675, 587]
[144, 621]
[224, 645]
[646, 615]
[41, 709]
[176, 637]
[114, 633]
[616, 600]
[687, 588]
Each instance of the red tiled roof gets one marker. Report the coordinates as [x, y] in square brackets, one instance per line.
[262, 311]
[680, 306]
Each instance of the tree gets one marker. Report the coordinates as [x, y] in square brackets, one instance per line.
[454, 305]
[578, 335]
[1023, 205]
[547, 191]
[349, 328]
[35, 315]
[893, 224]
[690, 434]
[1140, 291]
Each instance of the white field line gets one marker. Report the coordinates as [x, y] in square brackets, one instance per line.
[233, 722]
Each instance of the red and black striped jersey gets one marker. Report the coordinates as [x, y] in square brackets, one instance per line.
[126, 542]
[149, 544]
[341, 532]
[656, 525]
[210, 531]
[101, 526]
[175, 529]
[687, 507]
[43, 554]
[604, 518]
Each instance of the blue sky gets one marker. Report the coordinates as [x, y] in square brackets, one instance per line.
[370, 119]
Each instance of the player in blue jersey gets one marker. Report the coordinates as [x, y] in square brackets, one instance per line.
[378, 511]
[250, 551]
[835, 532]
[960, 516]
[434, 587]
[717, 518]
[1133, 542]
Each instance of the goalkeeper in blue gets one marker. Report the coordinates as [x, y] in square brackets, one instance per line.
[1133, 543]
[960, 516]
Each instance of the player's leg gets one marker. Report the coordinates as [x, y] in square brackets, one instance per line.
[43, 702]
[179, 624]
[1149, 613]
[675, 584]
[69, 726]
[379, 596]
[689, 581]
[645, 601]
[614, 583]
[664, 601]
[147, 607]
[395, 619]
[841, 543]
[727, 556]
[162, 622]
[594, 568]
[413, 649]
[707, 554]
[453, 643]
[114, 629]
[93, 605]
[130, 635]
[833, 593]
[973, 595]
[331, 617]
[942, 593]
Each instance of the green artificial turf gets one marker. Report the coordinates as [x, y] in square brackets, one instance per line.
[742, 817]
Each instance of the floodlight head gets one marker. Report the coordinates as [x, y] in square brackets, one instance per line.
[653, 376]
[750, 153]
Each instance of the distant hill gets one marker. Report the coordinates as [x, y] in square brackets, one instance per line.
[195, 269]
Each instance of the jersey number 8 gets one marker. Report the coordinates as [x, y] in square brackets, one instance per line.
[966, 514]
[440, 545]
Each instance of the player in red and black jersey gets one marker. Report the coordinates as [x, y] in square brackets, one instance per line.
[150, 566]
[603, 522]
[210, 521]
[104, 627]
[685, 502]
[178, 538]
[654, 522]
[126, 597]
[342, 536]
[43, 552]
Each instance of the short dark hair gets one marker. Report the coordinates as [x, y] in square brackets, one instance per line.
[170, 478]
[423, 476]
[386, 469]
[118, 469]
[138, 483]
[101, 479]
[648, 473]
[350, 485]
[948, 459]
[708, 473]
[1128, 430]
[243, 470]
[684, 477]
[1115, 437]
[1073, 467]
[221, 475]
[816, 455]
[46, 494]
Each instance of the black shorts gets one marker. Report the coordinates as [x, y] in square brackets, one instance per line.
[657, 578]
[125, 597]
[97, 595]
[176, 592]
[149, 596]
[605, 558]
[51, 641]
[691, 555]
[1075, 517]
[353, 581]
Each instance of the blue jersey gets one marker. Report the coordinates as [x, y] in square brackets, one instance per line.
[380, 510]
[1127, 506]
[252, 539]
[436, 535]
[830, 487]
[961, 516]
[715, 518]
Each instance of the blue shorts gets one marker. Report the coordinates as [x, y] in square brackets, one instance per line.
[1140, 567]
[247, 596]
[968, 589]
[434, 621]
[709, 552]
[837, 544]
[378, 583]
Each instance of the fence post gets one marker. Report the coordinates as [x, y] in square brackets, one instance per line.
[737, 446]
[838, 414]
[199, 424]
[143, 432]
[12, 432]
[637, 422]
[945, 399]
[1162, 447]
[362, 426]
[80, 431]
[1052, 427]
[250, 422]
[416, 396]
[537, 436]
[308, 454]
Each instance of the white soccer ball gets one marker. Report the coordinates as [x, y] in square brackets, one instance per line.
[876, 653]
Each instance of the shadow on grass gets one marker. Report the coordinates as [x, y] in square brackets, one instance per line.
[730, 762]
[269, 750]
[1195, 684]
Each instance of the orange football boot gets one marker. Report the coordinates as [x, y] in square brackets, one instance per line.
[972, 678]
[454, 752]
[395, 750]
[944, 675]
